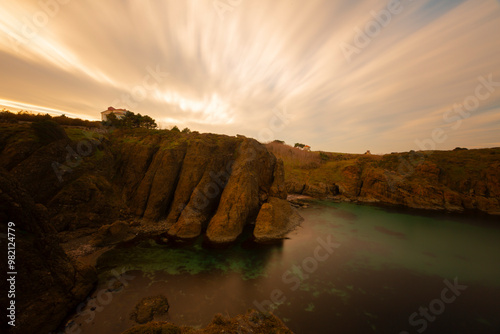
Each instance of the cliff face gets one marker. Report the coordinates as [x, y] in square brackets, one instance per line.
[180, 184]
[186, 185]
[164, 182]
[437, 180]
[48, 283]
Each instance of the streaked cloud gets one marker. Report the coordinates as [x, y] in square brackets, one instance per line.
[186, 63]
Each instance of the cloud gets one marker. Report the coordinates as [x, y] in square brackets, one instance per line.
[227, 72]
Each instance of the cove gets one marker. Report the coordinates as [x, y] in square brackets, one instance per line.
[349, 269]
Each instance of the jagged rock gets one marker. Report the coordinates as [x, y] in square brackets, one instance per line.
[293, 187]
[206, 170]
[48, 283]
[252, 171]
[320, 190]
[278, 188]
[249, 323]
[442, 180]
[112, 234]
[276, 218]
[351, 185]
[149, 307]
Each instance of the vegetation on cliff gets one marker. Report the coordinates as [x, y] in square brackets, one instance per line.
[115, 185]
[7, 116]
[440, 180]
[178, 182]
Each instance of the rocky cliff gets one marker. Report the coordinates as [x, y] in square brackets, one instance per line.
[187, 185]
[180, 184]
[456, 181]
[115, 186]
[47, 284]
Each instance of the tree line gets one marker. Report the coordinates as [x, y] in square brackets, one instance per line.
[130, 120]
[26, 116]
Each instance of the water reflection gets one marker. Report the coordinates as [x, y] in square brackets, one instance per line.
[388, 264]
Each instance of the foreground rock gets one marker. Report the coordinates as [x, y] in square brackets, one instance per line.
[112, 234]
[250, 323]
[248, 186]
[276, 218]
[48, 284]
[149, 307]
[183, 185]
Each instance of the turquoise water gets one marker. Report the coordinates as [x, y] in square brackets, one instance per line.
[347, 269]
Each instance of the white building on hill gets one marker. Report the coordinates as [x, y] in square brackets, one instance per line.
[120, 113]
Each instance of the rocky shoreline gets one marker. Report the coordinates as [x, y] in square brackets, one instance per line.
[70, 206]
[447, 181]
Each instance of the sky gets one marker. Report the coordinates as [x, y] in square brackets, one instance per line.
[338, 75]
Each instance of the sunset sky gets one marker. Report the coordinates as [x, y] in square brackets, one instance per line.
[338, 75]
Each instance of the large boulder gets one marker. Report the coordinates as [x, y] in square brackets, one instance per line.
[112, 234]
[276, 218]
[150, 307]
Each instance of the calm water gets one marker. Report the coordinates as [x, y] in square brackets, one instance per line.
[377, 269]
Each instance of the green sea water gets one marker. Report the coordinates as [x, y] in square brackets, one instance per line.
[348, 268]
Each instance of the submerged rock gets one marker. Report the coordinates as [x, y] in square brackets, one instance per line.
[149, 307]
[249, 323]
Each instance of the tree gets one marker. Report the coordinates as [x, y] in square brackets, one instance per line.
[148, 123]
[186, 130]
[175, 128]
[299, 145]
[131, 120]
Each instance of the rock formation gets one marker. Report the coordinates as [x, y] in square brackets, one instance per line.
[251, 322]
[48, 284]
[166, 182]
[447, 180]
[180, 184]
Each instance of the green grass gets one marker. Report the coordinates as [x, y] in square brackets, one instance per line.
[76, 134]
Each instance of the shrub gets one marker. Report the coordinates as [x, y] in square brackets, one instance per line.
[48, 131]
[299, 145]
[130, 120]
[27, 116]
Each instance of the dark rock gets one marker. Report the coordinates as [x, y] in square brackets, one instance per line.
[276, 218]
[249, 323]
[48, 283]
[252, 170]
[149, 307]
[112, 234]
